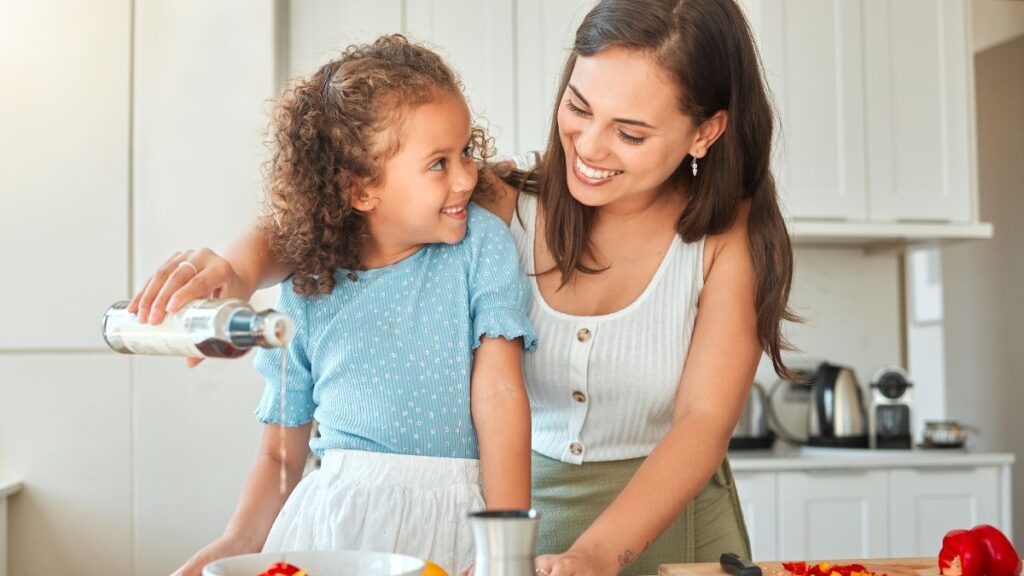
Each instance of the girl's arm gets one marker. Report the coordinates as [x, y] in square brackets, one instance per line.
[501, 415]
[720, 366]
[261, 498]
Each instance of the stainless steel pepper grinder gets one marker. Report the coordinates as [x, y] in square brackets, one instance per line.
[505, 541]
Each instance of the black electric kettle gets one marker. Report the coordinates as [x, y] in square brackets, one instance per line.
[836, 415]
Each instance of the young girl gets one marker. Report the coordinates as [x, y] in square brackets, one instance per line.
[410, 312]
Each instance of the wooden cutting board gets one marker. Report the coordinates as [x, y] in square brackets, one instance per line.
[889, 566]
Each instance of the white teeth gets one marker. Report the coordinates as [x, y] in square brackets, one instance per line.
[592, 173]
[453, 210]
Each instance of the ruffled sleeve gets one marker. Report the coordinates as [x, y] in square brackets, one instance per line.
[499, 292]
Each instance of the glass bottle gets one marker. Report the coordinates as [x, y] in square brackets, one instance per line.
[210, 328]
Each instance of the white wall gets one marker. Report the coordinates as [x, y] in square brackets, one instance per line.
[851, 307]
[984, 281]
[204, 77]
[64, 235]
[129, 464]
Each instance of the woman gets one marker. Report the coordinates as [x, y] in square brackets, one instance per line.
[653, 231]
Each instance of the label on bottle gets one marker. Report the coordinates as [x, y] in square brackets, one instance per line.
[169, 338]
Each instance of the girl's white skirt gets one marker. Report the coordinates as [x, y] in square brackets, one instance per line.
[358, 500]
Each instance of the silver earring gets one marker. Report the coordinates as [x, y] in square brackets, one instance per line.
[693, 165]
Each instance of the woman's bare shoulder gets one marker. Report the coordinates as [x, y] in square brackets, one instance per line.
[729, 244]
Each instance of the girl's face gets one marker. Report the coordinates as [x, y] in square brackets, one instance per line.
[621, 129]
[423, 191]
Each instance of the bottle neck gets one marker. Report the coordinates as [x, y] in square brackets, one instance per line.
[244, 330]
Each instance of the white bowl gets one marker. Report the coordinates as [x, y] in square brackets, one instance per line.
[324, 563]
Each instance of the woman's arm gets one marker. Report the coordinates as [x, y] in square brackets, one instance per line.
[261, 498]
[501, 415]
[248, 265]
[720, 366]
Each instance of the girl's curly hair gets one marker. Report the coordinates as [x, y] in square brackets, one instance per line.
[333, 130]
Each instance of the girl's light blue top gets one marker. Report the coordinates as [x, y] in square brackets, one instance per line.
[383, 363]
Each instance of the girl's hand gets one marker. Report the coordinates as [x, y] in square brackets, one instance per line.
[220, 548]
[573, 563]
[184, 277]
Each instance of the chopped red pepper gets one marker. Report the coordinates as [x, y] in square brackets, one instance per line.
[1000, 557]
[961, 555]
[826, 569]
[797, 568]
[284, 569]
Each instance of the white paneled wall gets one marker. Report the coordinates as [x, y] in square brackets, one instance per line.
[67, 88]
[485, 58]
[204, 77]
[65, 432]
[546, 33]
[319, 30]
[507, 52]
[64, 201]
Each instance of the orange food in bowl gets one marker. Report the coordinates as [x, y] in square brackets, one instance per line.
[433, 570]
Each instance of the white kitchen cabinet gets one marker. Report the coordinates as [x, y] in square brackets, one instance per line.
[835, 504]
[925, 504]
[919, 112]
[813, 64]
[833, 514]
[758, 493]
[64, 221]
[875, 101]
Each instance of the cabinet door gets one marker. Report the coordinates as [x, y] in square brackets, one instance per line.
[545, 33]
[812, 58]
[925, 504]
[919, 110]
[758, 498]
[830, 514]
[484, 58]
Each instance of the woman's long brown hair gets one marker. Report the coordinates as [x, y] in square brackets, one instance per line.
[707, 47]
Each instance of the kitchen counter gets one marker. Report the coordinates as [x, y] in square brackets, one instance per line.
[7, 488]
[889, 566]
[812, 458]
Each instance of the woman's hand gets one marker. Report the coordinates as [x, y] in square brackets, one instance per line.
[573, 562]
[184, 277]
[220, 548]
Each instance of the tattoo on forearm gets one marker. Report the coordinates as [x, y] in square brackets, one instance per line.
[628, 556]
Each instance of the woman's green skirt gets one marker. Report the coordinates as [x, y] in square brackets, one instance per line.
[570, 497]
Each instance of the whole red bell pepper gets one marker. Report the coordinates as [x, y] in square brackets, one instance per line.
[1000, 557]
[961, 555]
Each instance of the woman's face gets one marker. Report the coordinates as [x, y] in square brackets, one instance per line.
[621, 128]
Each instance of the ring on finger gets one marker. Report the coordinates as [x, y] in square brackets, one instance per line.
[195, 270]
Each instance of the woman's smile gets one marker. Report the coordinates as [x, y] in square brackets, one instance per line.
[592, 175]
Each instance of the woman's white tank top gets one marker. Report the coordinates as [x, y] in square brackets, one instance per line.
[604, 387]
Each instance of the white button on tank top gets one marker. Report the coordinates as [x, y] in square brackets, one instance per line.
[604, 387]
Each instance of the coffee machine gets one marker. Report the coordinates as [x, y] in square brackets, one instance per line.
[889, 413]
